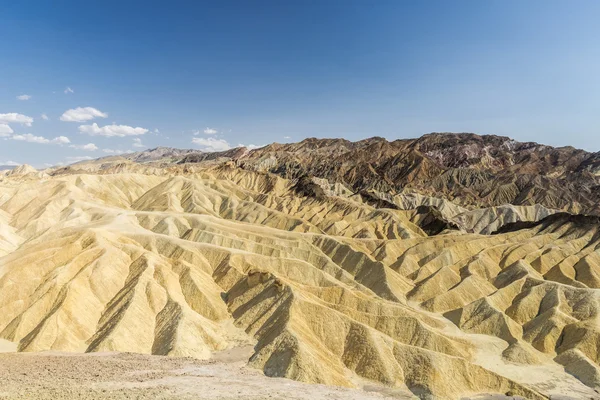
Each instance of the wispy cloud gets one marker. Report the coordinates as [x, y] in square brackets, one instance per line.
[16, 118]
[28, 137]
[137, 142]
[45, 117]
[82, 114]
[9, 163]
[58, 164]
[206, 131]
[111, 151]
[111, 130]
[69, 90]
[211, 144]
[24, 97]
[86, 147]
[79, 159]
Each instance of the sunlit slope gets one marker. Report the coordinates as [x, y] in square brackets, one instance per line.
[185, 263]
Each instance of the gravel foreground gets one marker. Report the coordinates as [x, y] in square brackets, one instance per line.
[134, 376]
[119, 376]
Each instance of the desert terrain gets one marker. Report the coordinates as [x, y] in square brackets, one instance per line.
[257, 274]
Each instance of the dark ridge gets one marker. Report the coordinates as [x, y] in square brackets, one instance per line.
[516, 226]
[62, 171]
[200, 157]
[433, 222]
[375, 201]
[305, 187]
[466, 168]
[579, 220]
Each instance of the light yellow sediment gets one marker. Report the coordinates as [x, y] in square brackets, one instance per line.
[190, 262]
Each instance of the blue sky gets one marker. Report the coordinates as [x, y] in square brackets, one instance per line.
[255, 72]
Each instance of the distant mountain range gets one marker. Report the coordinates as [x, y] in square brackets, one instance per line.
[467, 169]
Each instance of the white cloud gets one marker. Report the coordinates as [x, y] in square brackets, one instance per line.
[10, 163]
[211, 144]
[5, 130]
[287, 137]
[156, 130]
[24, 97]
[137, 142]
[15, 118]
[45, 117]
[82, 114]
[28, 137]
[78, 159]
[251, 146]
[60, 140]
[111, 151]
[69, 90]
[86, 147]
[206, 131]
[111, 130]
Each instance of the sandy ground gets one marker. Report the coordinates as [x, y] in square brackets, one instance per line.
[120, 376]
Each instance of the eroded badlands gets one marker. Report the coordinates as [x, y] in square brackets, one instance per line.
[191, 261]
